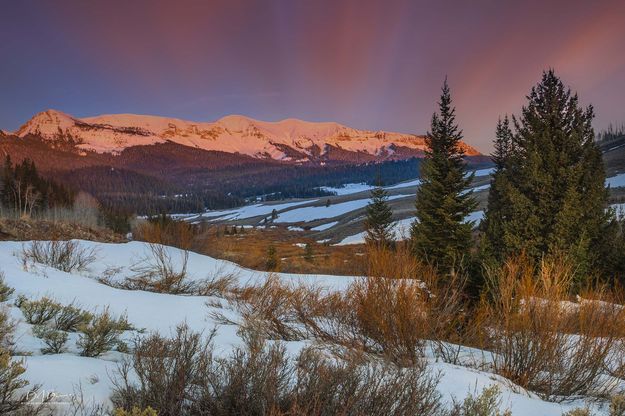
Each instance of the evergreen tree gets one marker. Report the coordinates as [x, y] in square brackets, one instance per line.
[379, 221]
[272, 262]
[499, 204]
[308, 253]
[440, 234]
[554, 196]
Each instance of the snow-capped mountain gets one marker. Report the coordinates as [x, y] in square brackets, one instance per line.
[287, 140]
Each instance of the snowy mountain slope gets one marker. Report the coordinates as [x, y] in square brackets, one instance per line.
[289, 140]
[63, 373]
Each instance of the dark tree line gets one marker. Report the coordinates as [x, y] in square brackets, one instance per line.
[25, 191]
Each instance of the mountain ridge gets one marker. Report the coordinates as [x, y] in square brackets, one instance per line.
[288, 140]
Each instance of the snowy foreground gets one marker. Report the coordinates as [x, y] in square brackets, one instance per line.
[66, 373]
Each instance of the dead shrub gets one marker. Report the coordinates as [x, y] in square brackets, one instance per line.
[166, 231]
[180, 376]
[392, 316]
[219, 283]
[68, 256]
[169, 370]
[543, 341]
[158, 272]
[395, 311]
[389, 316]
[268, 307]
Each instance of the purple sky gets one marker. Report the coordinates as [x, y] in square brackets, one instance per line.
[366, 64]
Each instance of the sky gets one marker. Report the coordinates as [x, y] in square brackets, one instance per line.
[375, 65]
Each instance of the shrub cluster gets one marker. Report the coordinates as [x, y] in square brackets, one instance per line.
[543, 341]
[102, 334]
[68, 256]
[181, 376]
[158, 272]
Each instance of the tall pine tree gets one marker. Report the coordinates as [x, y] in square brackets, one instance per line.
[440, 234]
[555, 198]
[379, 221]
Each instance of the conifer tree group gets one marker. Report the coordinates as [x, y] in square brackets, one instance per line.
[24, 190]
[547, 195]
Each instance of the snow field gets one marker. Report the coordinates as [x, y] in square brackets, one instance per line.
[68, 372]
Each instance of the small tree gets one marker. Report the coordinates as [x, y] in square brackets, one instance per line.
[308, 253]
[379, 221]
[272, 258]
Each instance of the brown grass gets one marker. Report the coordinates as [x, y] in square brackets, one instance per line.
[249, 249]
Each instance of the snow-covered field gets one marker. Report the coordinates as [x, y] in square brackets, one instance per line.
[64, 373]
[616, 181]
[321, 212]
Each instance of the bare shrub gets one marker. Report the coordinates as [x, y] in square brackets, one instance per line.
[71, 318]
[542, 340]
[82, 406]
[38, 312]
[5, 291]
[68, 256]
[390, 316]
[390, 312]
[487, 403]
[402, 305]
[180, 376]
[168, 371]
[219, 283]
[326, 386]
[158, 272]
[54, 340]
[101, 335]
[268, 307]
[166, 231]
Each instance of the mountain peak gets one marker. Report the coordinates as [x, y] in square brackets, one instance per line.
[46, 124]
